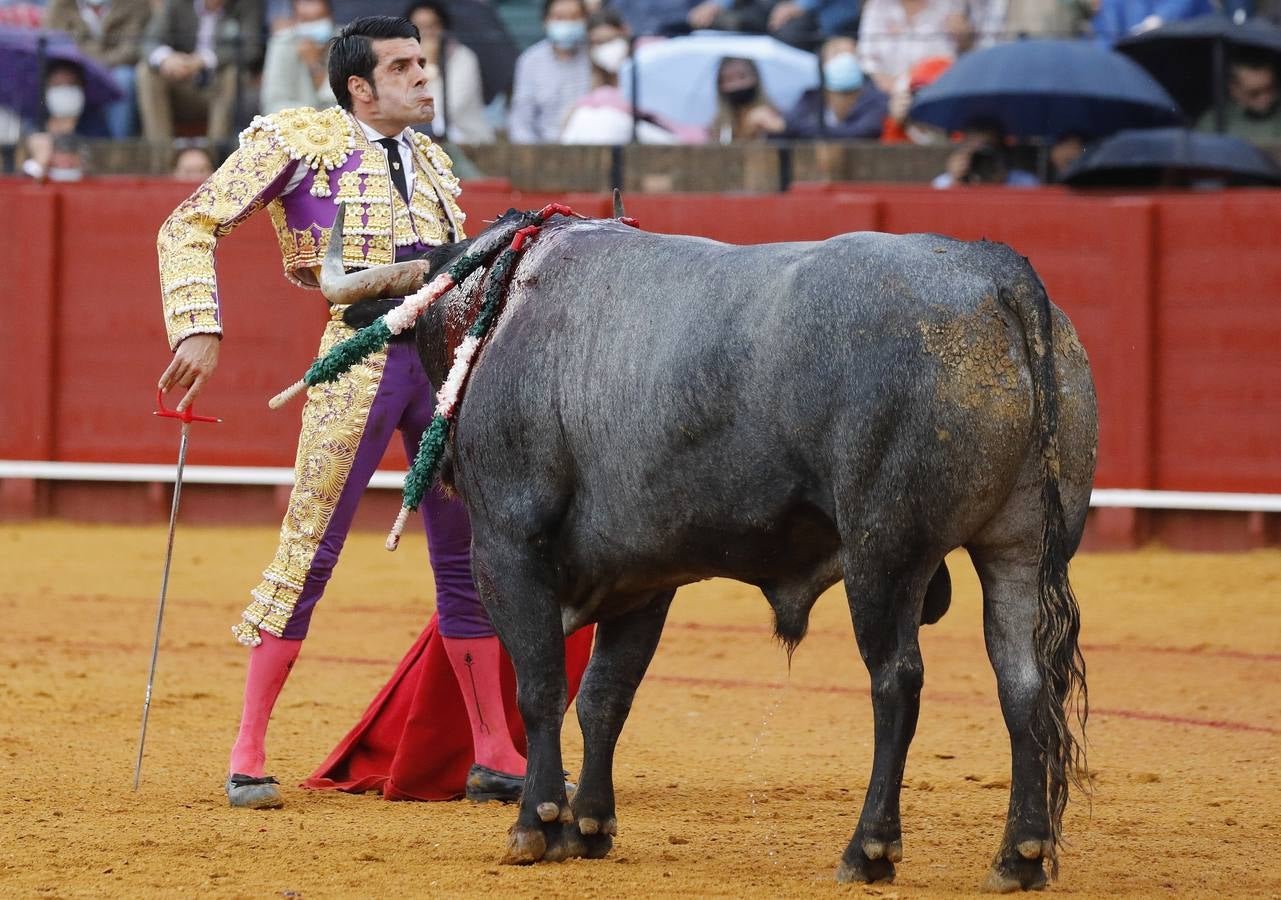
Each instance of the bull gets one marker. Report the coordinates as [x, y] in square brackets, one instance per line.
[653, 410]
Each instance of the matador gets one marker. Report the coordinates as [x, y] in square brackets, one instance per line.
[401, 199]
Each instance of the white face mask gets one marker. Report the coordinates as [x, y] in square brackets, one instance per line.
[610, 55]
[65, 100]
[64, 175]
[319, 31]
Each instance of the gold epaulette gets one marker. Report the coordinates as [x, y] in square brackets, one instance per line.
[440, 161]
[319, 139]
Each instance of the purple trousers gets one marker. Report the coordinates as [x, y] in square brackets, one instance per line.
[405, 400]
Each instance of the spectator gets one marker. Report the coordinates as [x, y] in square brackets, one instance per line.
[604, 116]
[673, 17]
[899, 127]
[1066, 149]
[993, 21]
[54, 157]
[551, 75]
[806, 23]
[191, 55]
[295, 73]
[192, 164]
[456, 83]
[64, 100]
[894, 35]
[743, 112]
[980, 158]
[1118, 18]
[847, 106]
[1252, 110]
[110, 32]
[21, 15]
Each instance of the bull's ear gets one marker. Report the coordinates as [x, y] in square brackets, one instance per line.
[618, 204]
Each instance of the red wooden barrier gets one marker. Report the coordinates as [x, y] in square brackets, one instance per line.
[1175, 297]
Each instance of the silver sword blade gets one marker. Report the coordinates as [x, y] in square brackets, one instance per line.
[160, 609]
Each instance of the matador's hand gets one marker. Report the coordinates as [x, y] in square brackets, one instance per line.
[193, 364]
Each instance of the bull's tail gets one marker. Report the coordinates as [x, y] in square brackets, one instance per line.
[1058, 655]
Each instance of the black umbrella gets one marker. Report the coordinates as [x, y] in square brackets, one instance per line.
[1156, 157]
[1045, 88]
[1189, 58]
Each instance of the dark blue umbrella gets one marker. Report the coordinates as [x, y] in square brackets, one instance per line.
[1190, 57]
[1171, 157]
[20, 72]
[1045, 88]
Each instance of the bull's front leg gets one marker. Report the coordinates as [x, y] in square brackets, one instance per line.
[526, 614]
[623, 650]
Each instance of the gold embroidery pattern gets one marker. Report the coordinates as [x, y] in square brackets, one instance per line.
[319, 140]
[185, 244]
[333, 420]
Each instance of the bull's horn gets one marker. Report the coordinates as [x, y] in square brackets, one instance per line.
[618, 204]
[393, 280]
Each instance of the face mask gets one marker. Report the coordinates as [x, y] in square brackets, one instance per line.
[65, 100]
[319, 31]
[64, 175]
[610, 55]
[842, 73]
[567, 34]
[741, 96]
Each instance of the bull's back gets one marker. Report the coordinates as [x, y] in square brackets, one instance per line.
[707, 385]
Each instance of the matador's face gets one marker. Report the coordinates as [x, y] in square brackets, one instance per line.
[400, 93]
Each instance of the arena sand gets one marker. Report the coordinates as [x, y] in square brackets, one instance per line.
[735, 776]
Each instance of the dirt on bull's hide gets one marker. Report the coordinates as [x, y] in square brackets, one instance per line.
[976, 351]
[736, 775]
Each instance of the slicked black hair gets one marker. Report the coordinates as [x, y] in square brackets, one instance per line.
[352, 51]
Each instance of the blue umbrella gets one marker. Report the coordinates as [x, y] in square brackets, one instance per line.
[678, 75]
[20, 86]
[1171, 156]
[1044, 88]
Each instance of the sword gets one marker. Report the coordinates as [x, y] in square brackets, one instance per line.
[187, 416]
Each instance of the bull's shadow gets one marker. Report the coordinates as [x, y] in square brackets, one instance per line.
[652, 410]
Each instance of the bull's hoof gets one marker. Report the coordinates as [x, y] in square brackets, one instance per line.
[524, 846]
[868, 860]
[556, 839]
[1020, 868]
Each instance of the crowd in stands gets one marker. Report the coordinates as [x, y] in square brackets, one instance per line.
[198, 70]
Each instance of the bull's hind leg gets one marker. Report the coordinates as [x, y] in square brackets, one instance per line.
[623, 650]
[525, 613]
[1009, 579]
[885, 603]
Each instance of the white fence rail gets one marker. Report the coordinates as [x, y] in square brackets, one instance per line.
[267, 475]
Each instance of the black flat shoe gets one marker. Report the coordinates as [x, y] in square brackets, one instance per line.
[249, 792]
[485, 784]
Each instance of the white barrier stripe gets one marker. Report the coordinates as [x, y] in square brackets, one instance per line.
[151, 473]
[1205, 501]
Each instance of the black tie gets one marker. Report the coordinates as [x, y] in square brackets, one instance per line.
[392, 146]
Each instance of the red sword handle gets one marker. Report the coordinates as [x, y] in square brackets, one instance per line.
[188, 415]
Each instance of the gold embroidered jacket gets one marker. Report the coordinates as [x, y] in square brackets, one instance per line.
[342, 166]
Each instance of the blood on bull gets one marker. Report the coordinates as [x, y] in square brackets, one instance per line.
[652, 410]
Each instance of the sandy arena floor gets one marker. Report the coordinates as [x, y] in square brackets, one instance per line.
[734, 777]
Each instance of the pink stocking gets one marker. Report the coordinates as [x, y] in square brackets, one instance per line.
[475, 662]
[269, 665]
